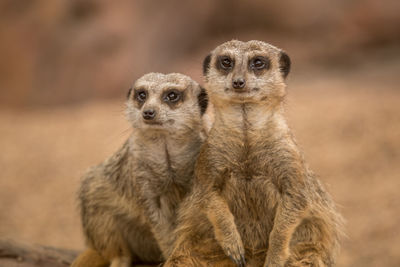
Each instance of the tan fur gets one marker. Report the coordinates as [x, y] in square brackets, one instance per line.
[253, 195]
[128, 203]
[90, 257]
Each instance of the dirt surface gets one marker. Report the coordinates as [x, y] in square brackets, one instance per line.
[347, 124]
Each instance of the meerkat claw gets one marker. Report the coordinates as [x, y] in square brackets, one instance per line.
[237, 258]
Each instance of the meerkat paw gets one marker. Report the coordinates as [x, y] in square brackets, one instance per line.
[235, 251]
[236, 254]
[121, 262]
[267, 264]
[232, 245]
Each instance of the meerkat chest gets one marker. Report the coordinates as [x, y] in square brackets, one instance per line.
[253, 199]
[244, 138]
[159, 172]
[243, 161]
[244, 156]
[253, 205]
[162, 167]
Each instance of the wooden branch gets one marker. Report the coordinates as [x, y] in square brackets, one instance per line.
[13, 254]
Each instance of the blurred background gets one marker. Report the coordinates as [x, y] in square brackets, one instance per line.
[66, 66]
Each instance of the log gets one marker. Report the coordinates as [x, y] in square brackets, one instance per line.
[18, 254]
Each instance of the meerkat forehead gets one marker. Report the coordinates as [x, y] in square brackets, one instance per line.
[153, 79]
[239, 48]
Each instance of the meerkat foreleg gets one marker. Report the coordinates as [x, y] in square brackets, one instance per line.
[161, 226]
[121, 262]
[90, 257]
[225, 230]
[162, 232]
[290, 213]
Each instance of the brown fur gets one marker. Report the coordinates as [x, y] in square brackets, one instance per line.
[128, 203]
[253, 196]
[90, 257]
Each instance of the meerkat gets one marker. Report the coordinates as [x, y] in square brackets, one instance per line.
[254, 201]
[128, 203]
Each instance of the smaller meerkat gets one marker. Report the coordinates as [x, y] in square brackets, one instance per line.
[128, 203]
[254, 200]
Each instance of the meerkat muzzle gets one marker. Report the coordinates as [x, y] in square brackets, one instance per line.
[149, 114]
[239, 83]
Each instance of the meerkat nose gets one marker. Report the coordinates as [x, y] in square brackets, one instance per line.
[239, 83]
[149, 114]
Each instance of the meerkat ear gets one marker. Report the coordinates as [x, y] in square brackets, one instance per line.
[202, 99]
[129, 93]
[284, 64]
[206, 64]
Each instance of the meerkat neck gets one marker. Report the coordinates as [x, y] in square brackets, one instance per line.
[167, 147]
[175, 156]
[247, 116]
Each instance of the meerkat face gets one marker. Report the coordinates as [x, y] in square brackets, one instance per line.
[251, 71]
[166, 102]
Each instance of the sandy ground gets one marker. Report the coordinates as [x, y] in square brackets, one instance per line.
[347, 125]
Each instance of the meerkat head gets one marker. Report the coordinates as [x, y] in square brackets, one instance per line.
[242, 72]
[166, 102]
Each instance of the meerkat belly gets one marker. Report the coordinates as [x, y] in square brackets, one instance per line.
[165, 191]
[253, 205]
[142, 242]
[168, 203]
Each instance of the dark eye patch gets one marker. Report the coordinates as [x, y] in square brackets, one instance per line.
[129, 93]
[259, 63]
[202, 99]
[172, 96]
[140, 95]
[206, 64]
[225, 64]
[284, 64]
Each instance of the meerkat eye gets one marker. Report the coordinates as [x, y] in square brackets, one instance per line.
[226, 62]
[141, 95]
[259, 63]
[172, 96]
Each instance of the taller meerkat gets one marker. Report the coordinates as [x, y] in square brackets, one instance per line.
[254, 198]
[129, 202]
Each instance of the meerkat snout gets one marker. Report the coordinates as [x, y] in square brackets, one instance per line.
[149, 114]
[238, 83]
